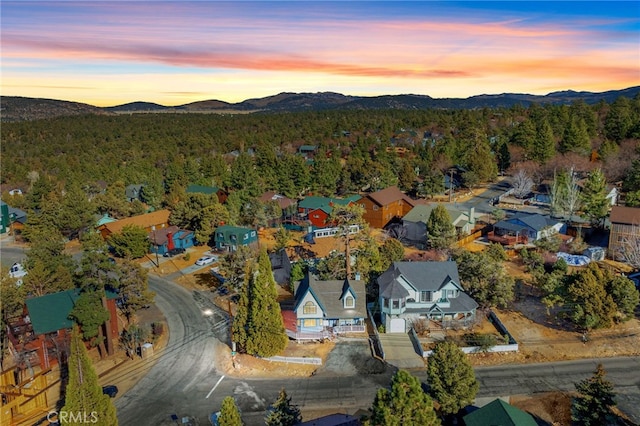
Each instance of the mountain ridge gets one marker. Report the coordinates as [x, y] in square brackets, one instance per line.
[18, 108]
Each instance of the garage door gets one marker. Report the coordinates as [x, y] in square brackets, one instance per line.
[397, 325]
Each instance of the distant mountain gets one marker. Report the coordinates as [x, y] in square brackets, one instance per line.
[137, 107]
[18, 108]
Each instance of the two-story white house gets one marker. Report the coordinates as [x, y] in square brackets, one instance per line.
[410, 291]
[329, 307]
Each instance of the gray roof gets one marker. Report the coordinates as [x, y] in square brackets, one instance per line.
[394, 290]
[462, 303]
[329, 295]
[535, 221]
[423, 276]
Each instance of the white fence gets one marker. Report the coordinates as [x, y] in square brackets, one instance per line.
[295, 360]
[349, 329]
[330, 232]
[478, 349]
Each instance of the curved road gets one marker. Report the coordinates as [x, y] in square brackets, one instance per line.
[184, 380]
[187, 361]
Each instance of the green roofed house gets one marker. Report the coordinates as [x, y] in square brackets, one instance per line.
[499, 413]
[317, 209]
[229, 237]
[208, 190]
[45, 324]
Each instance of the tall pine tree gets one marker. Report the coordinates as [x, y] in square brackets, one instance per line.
[451, 378]
[595, 205]
[265, 334]
[284, 413]
[592, 406]
[441, 234]
[404, 404]
[229, 413]
[83, 395]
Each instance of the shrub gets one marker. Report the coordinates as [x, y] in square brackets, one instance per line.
[421, 326]
[484, 342]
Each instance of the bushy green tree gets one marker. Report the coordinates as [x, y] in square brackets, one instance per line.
[133, 288]
[83, 395]
[131, 242]
[229, 413]
[576, 137]
[404, 404]
[624, 294]
[441, 234]
[90, 314]
[544, 145]
[391, 251]
[484, 278]
[589, 304]
[284, 413]
[282, 237]
[592, 406]
[451, 379]
[595, 205]
[76, 212]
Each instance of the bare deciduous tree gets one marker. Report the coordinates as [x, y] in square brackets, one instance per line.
[629, 250]
[522, 184]
[565, 196]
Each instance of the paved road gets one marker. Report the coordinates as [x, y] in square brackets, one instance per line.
[481, 202]
[186, 364]
[11, 253]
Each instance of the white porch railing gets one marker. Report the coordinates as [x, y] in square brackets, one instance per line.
[349, 329]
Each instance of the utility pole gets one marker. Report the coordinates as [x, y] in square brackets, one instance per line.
[450, 184]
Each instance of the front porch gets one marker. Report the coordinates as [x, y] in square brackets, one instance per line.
[506, 239]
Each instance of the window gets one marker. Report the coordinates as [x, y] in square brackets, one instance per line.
[375, 208]
[426, 296]
[386, 303]
[309, 308]
[253, 233]
[349, 302]
[246, 237]
[396, 303]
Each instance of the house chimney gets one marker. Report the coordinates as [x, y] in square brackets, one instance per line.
[472, 212]
[357, 276]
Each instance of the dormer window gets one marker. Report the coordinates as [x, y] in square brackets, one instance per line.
[349, 302]
[309, 308]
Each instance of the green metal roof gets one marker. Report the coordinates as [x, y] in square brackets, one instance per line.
[50, 312]
[315, 202]
[201, 189]
[499, 413]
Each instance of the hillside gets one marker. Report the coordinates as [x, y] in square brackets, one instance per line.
[21, 109]
[17, 108]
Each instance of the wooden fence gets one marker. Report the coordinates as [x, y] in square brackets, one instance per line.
[469, 238]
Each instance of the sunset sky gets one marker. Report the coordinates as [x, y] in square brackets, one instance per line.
[172, 53]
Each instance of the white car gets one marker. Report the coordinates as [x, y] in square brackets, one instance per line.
[205, 260]
[17, 271]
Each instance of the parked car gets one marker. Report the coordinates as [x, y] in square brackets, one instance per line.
[205, 260]
[174, 252]
[110, 390]
[222, 291]
[18, 272]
